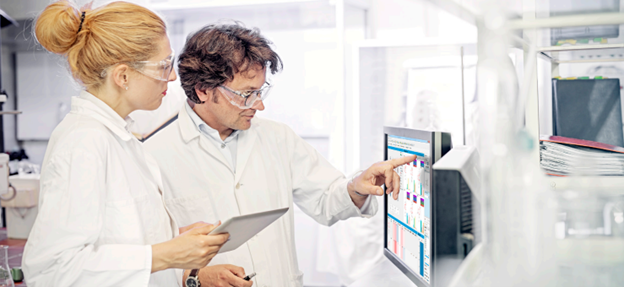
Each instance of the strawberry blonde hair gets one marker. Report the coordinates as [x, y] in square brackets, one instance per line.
[118, 32]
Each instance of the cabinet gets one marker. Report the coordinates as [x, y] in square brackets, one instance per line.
[44, 90]
[561, 37]
[571, 39]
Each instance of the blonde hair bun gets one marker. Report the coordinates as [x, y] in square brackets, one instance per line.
[57, 26]
[118, 32]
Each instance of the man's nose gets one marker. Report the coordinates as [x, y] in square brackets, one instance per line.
[258, 105]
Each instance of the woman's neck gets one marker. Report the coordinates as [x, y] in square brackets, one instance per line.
[113, 99]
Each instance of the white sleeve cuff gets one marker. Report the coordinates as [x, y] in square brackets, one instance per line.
[369, 208]
[366, 207]
[148, 257]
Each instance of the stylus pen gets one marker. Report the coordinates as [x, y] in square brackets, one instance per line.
[248, 277]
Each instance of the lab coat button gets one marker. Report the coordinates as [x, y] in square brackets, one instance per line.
[222, 145]
[238, 185]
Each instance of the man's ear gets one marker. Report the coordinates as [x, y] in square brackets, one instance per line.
[121, 75]
[203, 95]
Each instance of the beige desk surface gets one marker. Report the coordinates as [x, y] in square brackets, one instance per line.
[385, 274]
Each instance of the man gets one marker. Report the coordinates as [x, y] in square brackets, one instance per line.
[218, 160]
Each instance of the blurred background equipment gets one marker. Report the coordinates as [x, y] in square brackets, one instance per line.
[583, 32]
[5, 21]
[4, 175]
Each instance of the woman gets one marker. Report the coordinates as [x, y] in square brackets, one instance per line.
[102, 221]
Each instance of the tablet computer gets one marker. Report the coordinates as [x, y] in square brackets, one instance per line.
[242, 228]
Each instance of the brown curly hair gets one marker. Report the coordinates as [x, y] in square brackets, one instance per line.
[215, 53]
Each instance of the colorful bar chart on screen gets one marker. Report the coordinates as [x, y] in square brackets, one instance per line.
[408, 216]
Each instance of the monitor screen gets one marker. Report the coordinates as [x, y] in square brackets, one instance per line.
[409, 218]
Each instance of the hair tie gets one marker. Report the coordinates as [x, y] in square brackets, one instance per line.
[81, 21]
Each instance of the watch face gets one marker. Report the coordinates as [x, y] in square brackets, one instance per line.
[191, 282]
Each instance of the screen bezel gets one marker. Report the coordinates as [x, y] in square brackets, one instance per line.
[434, 156]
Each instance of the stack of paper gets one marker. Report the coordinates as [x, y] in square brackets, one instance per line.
[562, 159]
[566, 156]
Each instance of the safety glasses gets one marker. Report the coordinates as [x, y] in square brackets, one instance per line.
[245, 99]
[159, 70]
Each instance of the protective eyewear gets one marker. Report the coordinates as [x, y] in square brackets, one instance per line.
[245, 99]
[159, 70]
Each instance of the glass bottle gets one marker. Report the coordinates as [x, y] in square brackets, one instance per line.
[5, 272]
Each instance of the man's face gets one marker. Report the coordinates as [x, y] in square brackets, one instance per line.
[220, 114]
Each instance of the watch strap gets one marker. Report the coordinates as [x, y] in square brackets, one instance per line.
[194, 273]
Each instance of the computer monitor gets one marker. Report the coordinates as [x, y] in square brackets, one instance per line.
[457, 210]
[409, 221]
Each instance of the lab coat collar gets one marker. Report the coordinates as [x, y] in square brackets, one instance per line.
[189, 131]
[205, 128]
[246, 140]
[88, 104]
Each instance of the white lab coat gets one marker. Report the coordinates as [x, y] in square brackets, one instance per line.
[274, 167]
[100, 208]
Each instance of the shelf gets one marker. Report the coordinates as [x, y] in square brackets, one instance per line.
[586, 53]
[609, 185]
[568, 21]
[552, 8]
[469, 11]
[578, 47]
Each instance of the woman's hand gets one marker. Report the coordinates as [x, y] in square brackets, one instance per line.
[192, 249]
[196, 224]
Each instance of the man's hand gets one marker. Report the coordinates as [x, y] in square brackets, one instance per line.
[222, 276]
[370, 181]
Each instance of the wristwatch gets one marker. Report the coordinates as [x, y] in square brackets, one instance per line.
[192, 280]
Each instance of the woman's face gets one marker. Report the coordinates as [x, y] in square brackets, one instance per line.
[144, 92]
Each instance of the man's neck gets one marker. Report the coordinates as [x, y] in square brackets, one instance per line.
[225, 134]
[224, 131]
